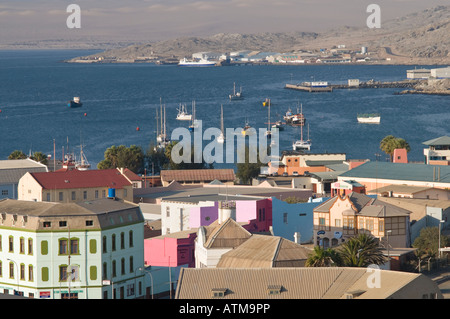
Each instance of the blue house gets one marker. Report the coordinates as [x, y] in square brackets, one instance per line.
[294, 221]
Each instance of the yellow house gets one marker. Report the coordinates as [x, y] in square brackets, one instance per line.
[341, 218]
[69, 186]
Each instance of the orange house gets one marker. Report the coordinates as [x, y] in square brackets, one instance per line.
[295, 163]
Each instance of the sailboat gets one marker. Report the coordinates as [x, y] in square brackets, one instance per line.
[221, 137]
[194, 124]
[246, 128]
[236, 95]
[302, 145]
[183, 114]
[268, 132]
[161, 137]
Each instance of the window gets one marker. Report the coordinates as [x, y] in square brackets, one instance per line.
[122, 240]
[89, 223]
[105, 271]
[322, 221]
[4, 192]
[48, 197]
[337, 223]
[114, 268]
[74, 246]
[122, 266]
[167, 211]
[11, 270]
[96, 194]
[22, 272]
[47, 224]
[22, 245]
[218, 292]
[30, 246]
[113, 242]
[84, 194]
[63, 247]
[131, 264]
[11, 244]
[74, 196]
[130, 290]
[1, 269]
[285, 218]
[63, 223]
[104, 244]
[130, 238]
[69, 273]
[103, 193]
[30, 273]
[61, 196]
[380, 225]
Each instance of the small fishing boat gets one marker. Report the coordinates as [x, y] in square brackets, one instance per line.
[75, 102]
[236, 95]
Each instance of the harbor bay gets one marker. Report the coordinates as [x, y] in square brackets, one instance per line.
[120, 103]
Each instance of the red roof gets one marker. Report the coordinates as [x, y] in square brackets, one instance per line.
[111, 178]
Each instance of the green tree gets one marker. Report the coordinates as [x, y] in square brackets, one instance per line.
[428, 241]
[361, 251]
[323, 258]
[123, 157]
[248, 170]
[389, 143]
[17, 155]
[39, 157]
[170, 164]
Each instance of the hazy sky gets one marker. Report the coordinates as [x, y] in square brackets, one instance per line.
[149, 20]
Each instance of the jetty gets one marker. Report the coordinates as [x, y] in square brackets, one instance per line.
[355, 85]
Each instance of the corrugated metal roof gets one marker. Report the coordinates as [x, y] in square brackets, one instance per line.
[443, 140]
[400, 171]
[81, 179]
[227, 234]
[198, 175]
[299, 283]
[295, 283]
[261, 251]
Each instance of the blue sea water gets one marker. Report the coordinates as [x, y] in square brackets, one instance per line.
[119, 98]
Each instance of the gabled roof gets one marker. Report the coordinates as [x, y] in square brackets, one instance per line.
[443, 140]
[261, 251]
[12, 170]
[301, 283]
[131, 175]
[198, 175]
[365, 206]
[111, 178]
[228, 234]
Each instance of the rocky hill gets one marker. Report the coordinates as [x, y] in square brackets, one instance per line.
[418, 38]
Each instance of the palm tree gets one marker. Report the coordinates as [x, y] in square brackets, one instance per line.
[322, 257]
[17, 155]
[389, 143]
[39, 157]
[361, 251]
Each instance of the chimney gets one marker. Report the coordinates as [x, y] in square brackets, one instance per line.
[297, 237]
[227, 209]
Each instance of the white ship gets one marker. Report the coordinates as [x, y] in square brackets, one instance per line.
[369, 118]
[201, 62]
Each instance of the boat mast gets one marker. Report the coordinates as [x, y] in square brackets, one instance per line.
[221, 118]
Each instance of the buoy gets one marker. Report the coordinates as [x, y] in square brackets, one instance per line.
[85, 114]
[137, 128]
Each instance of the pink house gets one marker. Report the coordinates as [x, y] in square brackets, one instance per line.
[171, 250]
[256, 214]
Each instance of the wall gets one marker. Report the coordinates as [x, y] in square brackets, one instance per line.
[299, 219]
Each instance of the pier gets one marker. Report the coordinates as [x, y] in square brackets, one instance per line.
[361, 85]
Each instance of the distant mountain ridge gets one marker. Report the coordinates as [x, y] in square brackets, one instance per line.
[421, 37]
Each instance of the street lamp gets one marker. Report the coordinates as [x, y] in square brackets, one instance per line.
[17, 274]
[389, 253]
[151, 277]
[439, 247]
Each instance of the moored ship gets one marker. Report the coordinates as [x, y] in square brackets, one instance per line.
[75, 102]
[373, 118]
[201, 62]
